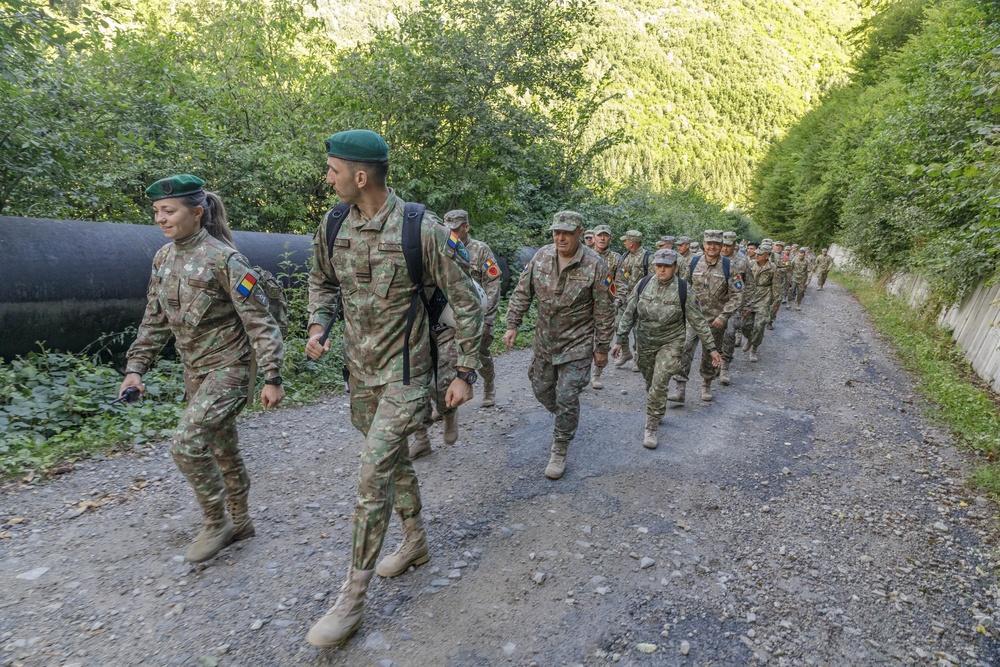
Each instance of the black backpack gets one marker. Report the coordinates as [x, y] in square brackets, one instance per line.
[413, 255]
[682, 291]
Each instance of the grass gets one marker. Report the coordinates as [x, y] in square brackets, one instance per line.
[960, 400]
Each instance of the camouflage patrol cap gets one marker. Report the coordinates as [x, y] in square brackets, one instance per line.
[781, 243]
[825, 249]
[695, 245]
[729, 238]
[669, 239]
[566, 221]
[662, 243]
[358, 146]
[455, 219]
[764, 248]
[633, 235]
[767, 241]
[802, 250]
[681, 240]
[665, 256]
[180, 185]
[588, 232]
[602, 229]
[713, 236]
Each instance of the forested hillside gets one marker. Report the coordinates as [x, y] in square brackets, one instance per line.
[641, 113]
[901, 165]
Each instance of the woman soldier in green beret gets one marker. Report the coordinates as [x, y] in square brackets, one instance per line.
[205, 293]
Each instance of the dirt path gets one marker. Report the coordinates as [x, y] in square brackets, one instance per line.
[808, 516]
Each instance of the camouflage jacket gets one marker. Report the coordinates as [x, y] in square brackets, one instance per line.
[485, 271]
[739, 265]
[824, 263]
[368, 270]
[576, 316]
[657, 317]
[768, 290]
[205, 294]
[800, 270]
[716, 296]
[631, 271]
[780, 262]
[682, 265]
[613, 261]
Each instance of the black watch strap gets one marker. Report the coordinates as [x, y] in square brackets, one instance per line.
[468, 376]
[276, 381]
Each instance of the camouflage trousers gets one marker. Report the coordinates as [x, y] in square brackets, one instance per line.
[386, 414]
[486, 370]
[447, 362]
[729, 339]
[708, 371]
[821, 278]
[796, 291]
[205, 445]
[558, 389]
[658, 365]
[753, 326]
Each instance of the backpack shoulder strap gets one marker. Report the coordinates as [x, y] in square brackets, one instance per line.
[643, 283]
[334, 220]
[694, 263]
[413, 255]
[726, 267]
[682, 291]
[645, 262]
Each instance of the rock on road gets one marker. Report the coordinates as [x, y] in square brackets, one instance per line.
[808, 516]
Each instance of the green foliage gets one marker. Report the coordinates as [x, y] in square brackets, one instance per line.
[942, 374]
[903, 170]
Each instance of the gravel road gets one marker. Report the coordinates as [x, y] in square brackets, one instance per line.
[810, 515]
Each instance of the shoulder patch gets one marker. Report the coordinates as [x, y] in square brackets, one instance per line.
[246, 284]
[737, 281]
[491, 268]
[610, 284]
[455, 244]
[261, 297]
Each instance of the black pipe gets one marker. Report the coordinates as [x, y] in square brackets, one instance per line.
[65, 283]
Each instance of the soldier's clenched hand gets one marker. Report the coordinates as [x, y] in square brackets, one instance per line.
[508, 338]
[313, 348]
[459, 391]
[271, 395]
[718, 323]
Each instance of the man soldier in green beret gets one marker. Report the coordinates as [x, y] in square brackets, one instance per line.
[485, 271]
[602, 245]
[575, 323]
[390, 383]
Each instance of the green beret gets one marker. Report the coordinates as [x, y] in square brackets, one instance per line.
[358, 146]
[180, 185]
[566, 221]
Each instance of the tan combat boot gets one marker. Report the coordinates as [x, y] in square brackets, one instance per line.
[746, 345]
[706, 390]
[557, 461]
[216, 534]
[413, 550]
[344, 618]
[677, 394]
[625, 358]
[451, 428]
[489, 395]
[420, 445]
[753, 355]
[595, 377]
[724, 373]
[649, 436]
[242, 524]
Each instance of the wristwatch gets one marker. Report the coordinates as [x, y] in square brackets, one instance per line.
[468, 376]
[276, 381]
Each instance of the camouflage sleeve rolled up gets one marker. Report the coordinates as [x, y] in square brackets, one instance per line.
[486, 271]
[324, 287]
[252, 308]
[627, 316]
[449, 270]
[520, 298]
[604, 308]
[154, 332]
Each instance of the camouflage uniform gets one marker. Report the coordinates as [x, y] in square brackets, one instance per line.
[780, 260]
[204, 293]
[800, 269]
[485, 271]
[739, 265]
[766, 296]
[633, 267]
[368, 269]
[717, 297]
[575, 319]
[823, 265]
[613, 261]
[660, 333]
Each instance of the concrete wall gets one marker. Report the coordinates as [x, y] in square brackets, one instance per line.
[974, 323]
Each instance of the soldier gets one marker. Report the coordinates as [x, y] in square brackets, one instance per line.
[389, 361]
[635, 267]
[669, 242]
[781, 276]
[575, 322]
[719, 291]
[766, 297]
[823, 265]
[659, 308]
[800, 278]
[695, 249]
[683, 255]
[203, 292]
[602, 244]
[588, 238]
[485, 271]
[738, 265]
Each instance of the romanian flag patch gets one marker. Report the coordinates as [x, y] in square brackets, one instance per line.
[453, 241]
[246, 285]
[610, 284]
[491, 268]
